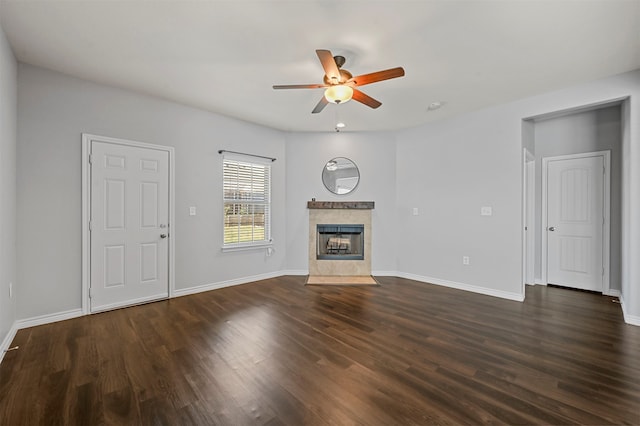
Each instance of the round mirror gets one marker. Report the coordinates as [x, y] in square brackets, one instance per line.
[340, 175]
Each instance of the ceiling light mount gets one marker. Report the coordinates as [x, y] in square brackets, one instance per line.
[435, 105]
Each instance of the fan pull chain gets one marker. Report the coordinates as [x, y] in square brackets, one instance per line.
[339, 124]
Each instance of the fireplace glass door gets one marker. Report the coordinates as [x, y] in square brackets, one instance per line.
[340, 242]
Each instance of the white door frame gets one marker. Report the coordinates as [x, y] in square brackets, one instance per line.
[606, 289]
[528, 216]
[86, 210]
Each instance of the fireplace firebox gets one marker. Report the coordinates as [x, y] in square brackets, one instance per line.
[340, 242]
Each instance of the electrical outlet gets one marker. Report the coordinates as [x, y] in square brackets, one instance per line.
[192, 211]
[415, 211]
[465, 260]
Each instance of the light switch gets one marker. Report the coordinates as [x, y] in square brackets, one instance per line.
[192, 211]
[486, 211]
[415, 211]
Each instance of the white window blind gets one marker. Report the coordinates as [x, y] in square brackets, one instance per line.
[247, 202]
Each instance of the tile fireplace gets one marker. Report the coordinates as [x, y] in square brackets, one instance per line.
[340, 238]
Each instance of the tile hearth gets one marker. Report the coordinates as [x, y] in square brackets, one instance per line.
[337, 280]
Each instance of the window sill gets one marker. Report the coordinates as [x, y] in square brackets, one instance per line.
[226, 249]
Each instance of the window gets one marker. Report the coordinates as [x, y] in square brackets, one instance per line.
[247, 202]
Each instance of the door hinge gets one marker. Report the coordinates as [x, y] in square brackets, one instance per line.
[603, 271]
[90, 158]
[90, 293]
[90, 226]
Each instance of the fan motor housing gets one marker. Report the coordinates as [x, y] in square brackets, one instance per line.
[344, 76]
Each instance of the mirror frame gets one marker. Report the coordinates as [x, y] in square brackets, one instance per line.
[327, 178]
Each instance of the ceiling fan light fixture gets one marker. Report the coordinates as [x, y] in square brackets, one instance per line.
[340, 85]
[338, 94]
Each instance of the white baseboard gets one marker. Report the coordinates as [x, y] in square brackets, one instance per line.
[538, 281]
[629, 319]
[7, 340]
[462, 286]
[228, 283]
[612, 292]
[49, 318]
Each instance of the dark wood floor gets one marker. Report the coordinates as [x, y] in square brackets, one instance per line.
[277, 352]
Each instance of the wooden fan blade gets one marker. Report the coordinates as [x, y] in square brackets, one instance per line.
[323, 103]
[329, 65]
[361, 80]
[299, 86]
[365, 99]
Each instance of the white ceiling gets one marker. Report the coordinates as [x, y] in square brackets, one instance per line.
[224, 56]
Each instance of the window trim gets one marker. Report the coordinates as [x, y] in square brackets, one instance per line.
[253, 245]
[246, 246]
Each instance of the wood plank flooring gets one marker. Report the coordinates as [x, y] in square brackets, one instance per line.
[278, 352]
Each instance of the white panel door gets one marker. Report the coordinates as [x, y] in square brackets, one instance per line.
[129, 225]
[575, 221]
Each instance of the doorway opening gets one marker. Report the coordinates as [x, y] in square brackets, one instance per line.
[593, 128]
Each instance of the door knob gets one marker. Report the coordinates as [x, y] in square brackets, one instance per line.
[163, 235]
[552, 228]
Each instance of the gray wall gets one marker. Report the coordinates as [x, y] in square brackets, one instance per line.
[630, 292]
[588, 131]
[449, 170]
[374, 154]
[8, 119]
[54, 110]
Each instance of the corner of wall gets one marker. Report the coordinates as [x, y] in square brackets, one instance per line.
[8, 338]
[8, 146]
[629, 319]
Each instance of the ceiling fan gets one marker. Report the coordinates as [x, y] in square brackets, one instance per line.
[340, 85]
